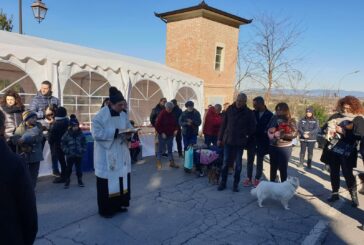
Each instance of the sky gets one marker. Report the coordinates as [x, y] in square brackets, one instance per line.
[331, 47]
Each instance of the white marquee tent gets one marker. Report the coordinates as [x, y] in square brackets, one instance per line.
[81, 76]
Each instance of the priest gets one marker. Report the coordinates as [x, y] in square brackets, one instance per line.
[111, 156]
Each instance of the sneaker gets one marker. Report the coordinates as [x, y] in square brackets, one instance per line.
[56, 173]
[256, 182]
[201, 174]
[247, 182]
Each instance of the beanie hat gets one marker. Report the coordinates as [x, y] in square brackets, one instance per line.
[189, 104]
[309, 109]
[61, 112]
[115, 95]
[28, 114]
[73, 120]
[174, 101]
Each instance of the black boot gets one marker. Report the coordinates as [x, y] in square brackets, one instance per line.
[354, 197]
[309, 161]
[221, 187]
[67, 183]
[235, 187]
[80, 183]
[333, 198]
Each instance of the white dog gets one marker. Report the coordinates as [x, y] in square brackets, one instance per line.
[282, 192]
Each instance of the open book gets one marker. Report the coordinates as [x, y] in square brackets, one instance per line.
[129, 130]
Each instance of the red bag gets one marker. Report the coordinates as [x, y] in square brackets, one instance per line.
[135, 144]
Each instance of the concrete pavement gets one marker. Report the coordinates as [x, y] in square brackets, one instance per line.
[173, 207]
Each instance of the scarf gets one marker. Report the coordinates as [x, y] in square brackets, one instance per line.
[13, 109]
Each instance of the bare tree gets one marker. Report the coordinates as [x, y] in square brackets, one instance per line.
[6, 23]
[266, 57]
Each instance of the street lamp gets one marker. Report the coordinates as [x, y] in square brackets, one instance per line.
[39, 11]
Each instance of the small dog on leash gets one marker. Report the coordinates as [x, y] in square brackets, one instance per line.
[213, 175]
[282, 192]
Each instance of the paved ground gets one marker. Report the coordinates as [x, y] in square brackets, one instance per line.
[172, 207]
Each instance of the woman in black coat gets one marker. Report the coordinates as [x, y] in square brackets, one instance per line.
[340, 149]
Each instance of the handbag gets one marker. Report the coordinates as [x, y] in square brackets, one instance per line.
[342, 149]
[188, 164]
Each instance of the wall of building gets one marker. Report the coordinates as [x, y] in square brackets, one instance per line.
[191, 47]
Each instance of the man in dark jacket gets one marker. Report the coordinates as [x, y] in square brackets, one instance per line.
[308, 128]
[156, 110]
[259, 143]
[177, 111]
[153, 118]
[238, 126]
[18, 212]
[43, 99]
[55, 134]
[190, 120]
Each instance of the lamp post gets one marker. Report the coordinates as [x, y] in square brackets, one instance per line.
[39, 11]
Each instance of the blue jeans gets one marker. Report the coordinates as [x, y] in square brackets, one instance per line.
[210, 140]
[162, 143]
[232, 153]
[189, 140]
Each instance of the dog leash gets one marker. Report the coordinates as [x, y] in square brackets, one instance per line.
[320, 195]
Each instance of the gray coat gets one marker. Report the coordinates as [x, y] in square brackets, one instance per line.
[31, 150]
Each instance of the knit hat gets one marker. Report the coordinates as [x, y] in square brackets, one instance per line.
[61, 112]
[115, 95]
[309, 109]
[73, 120]
[28, 114]
[189, 104]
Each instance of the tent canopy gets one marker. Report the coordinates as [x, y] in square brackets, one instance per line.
[42, 50]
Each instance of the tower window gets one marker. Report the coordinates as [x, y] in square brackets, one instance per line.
[219, 58]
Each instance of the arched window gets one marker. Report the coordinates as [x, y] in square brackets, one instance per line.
[83, 95]
[145, 95]
[12, 77]
[185, 94]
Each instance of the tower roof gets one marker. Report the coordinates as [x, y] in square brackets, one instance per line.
[203, 10]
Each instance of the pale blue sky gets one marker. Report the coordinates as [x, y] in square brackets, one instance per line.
[332, 45]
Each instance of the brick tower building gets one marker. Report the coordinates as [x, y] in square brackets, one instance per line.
[203, 41]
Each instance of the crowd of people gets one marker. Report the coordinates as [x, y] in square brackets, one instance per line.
[234, 129]
[261, 132]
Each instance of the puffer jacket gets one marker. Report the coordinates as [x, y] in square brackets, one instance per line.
[40, 102]
[13, 118]
[310, 125]
[73, 143]
[31, 149]
[196, 122]
[212, 123]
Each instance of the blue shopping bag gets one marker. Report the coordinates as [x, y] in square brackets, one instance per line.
[188, 159]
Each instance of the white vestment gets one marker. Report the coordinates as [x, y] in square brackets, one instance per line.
[111, 155]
